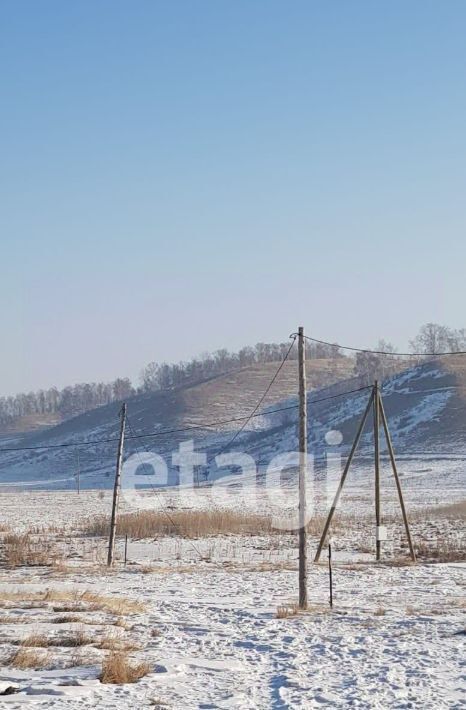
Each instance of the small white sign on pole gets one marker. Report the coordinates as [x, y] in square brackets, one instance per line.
[381, 533]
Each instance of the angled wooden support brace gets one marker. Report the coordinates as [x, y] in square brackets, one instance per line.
[397, 478]
[343, 476]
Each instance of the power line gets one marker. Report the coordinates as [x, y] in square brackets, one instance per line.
[256, 408]
[208, 425]
[379, 352]
[340, 394]
[165, 432]
[193, 427]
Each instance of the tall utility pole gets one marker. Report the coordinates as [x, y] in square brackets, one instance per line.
[78, 475]
[377, 465]
[116, 487]
[302, 470]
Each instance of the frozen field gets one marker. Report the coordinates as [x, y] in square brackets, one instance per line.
[202, 612]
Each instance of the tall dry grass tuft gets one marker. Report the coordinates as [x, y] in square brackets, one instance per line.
[26, 658]
[72, 601]
[117, 669]
[442, 550]
[25, 550]
[73, 640]
[284, 611]
[183, 523]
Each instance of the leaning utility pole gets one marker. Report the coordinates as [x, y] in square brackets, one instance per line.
[302, 471]
[343, 476]
[397, 478]
[116, 487]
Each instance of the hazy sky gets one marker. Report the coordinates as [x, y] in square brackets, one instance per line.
[179, 176]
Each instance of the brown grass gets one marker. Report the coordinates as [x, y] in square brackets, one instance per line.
[116, 643]
[34, 640]
[442, 551]
[284, 611]
[200, 523]
[69, 619]
[453, 511]
[23, 550]
[74, 640]
[15, 619]
[72, 601]
[183, 523]
[380, 611]
[26, 658]
[117, 669]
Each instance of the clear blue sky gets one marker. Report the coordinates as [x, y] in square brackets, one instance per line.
[180, 176]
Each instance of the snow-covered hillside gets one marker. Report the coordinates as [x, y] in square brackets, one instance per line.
[425, 405]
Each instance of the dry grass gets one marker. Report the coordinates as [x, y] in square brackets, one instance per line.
[71, 601]
[399, 562]
[380, 611]
[422, 611]
[183, 523]
[122, 624]
[157, 703]
[284, 611]
[167, 569]
[442, 551]
[117, 669]
[24, 550]
[69, 619]
[453, 511]
[116, 605]
[80, 657]
[74, 640]
[26, 658]
[34, 640]
[116, 643]
[15, 619]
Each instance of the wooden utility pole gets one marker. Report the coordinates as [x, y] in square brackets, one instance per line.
[302, 470]
[343, 478]
[116, 487]
[397, 478]
[78, 474]
[330, 578]
[377, 466]
[376, 402]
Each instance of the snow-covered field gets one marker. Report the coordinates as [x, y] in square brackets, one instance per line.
[207, 620]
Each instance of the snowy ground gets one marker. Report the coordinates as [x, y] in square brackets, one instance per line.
[208, 626]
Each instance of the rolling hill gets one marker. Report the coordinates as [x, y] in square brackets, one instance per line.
[425, 404]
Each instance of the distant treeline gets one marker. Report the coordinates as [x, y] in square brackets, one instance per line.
[157, 376]
[66, 402]
[81, 398]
